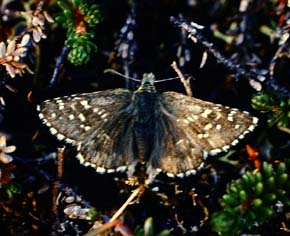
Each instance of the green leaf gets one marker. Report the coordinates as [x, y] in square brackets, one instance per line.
[257, 202]
[149, 227]
[63, 5]
[229, 199]
[259, 188]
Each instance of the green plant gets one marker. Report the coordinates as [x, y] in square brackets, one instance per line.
[13, 189]
[148, 229]
[278, 110]
[80, 18]
[250, 199]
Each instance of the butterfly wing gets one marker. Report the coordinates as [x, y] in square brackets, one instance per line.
[101, 125]
[97, 123]
[193, 128]
[174, 151]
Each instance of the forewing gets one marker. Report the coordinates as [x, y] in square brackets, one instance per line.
[194, 128]
[97, 123]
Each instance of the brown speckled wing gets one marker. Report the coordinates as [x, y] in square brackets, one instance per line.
[97, 123]
[102, 125]
[194, 128]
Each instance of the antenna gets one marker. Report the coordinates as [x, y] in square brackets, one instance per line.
[112, 71]
[119, 74]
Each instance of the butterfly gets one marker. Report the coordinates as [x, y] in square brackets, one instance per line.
[116, 129]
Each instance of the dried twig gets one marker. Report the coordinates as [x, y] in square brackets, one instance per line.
[283, 46]
[270, 85]
[60, 160]
[58, 64]
[185, 82]
[114, 220]
[284, 227]
[206, 214]
[56, 184]
[35, 161]
[133, 195]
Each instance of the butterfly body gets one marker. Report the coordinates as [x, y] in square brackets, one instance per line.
[145, 110]
[114, 130]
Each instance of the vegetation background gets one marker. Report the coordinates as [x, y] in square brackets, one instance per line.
[239, 58]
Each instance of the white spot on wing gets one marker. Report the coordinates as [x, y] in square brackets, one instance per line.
[215, 151]
[180, 175]
[87, 164]
[237, 126]
[85, 104]
[68, 140]
[206, 113]
[235, 142]
[180, 141]
[218, 116]
[233, 112]
[200, 136]
[81, 158]
[87, 128]
[104, 115]
[255, 120]
[194, 117]
[206, 135]
[225, 148]
[40, 115]
[60, 136]
[53, 131]
[101, 170]
[189, 118]
[121, 169]
[200, 166]
[159, 170]
[82, 117]
[79, 146]
[251, 127]
[208, 127]
[190, 172]
[170, 175]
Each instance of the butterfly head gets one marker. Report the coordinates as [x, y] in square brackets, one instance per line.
[147, 83]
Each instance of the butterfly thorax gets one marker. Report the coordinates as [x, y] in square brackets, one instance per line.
[145, 100]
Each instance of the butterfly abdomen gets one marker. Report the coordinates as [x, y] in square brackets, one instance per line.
[145, 104]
